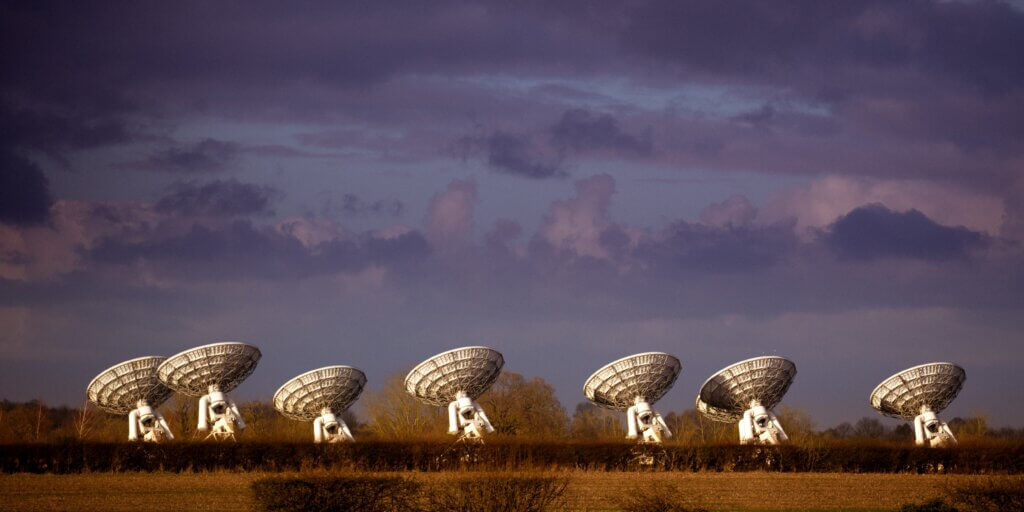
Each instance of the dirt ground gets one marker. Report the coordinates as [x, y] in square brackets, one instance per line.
[587, 491]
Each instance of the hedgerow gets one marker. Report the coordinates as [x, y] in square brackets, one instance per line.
[1005, 458]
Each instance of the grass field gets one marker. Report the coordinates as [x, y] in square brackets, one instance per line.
[588, 491]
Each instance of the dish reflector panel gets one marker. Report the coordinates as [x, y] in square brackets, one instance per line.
[468, 369]
[224, 365]
[648, 375]
[333, 387]
[119, 388]
[730, 391]
[932, 385]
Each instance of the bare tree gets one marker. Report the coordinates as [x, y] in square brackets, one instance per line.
[392, 413]
[83, 420]
[40, 416]
[183, 413]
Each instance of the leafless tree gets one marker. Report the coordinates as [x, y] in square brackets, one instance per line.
[84, 420]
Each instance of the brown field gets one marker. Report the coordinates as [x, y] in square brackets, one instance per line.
[588, 491]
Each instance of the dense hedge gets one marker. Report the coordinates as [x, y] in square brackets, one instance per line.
[396, 456]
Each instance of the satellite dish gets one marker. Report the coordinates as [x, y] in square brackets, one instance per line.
[918, 394]
[209, 372]
[456, 378]
[746, 392]
[132, 388]
[321, 395]
[632, 384]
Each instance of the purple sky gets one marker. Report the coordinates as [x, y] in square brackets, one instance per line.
[841, 183]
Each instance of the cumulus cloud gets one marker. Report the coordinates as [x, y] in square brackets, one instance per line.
[450, 219]
[219, 198]
[824, 200]
[577, 224]
[874, 231]
[735, 211]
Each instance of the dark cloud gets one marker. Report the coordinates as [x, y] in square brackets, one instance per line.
[580, 130]
[220, 198]
[207, 155]
[242, 250]
[699, 248]
[24, 191]
[966, 42]
[56, 132]
[874, 231]
[515, 154]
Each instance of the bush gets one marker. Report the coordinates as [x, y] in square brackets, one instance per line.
[497, 494]
[336, 494]
[936, 505]
[662, 498]
[990, 496]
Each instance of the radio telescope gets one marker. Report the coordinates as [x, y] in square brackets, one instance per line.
[322, 395]
[209, 372]
[633, 384]
[456, 378]
[132, 388]
[918, 394]
[746, 392]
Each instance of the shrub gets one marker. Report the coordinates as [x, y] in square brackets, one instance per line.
[936, 505]
[663, 498]
[990, 496]
[497, 494]
[336, 494]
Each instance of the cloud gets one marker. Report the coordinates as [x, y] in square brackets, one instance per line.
[874, 231]
[351, 205]
[736, 211]
[822, 201]
[516, 155]
[241, 250]
[576, 225]
[580, 130]
[24, 191]
[207, 155]
[219, 198]
[450, 219]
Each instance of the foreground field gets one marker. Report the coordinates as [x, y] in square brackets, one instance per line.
[588, 491]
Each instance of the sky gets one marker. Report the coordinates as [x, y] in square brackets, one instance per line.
[370, 183]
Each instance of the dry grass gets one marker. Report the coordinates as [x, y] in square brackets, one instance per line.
[587, 491]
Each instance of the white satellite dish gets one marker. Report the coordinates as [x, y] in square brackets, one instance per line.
[746, 392]
[321, 395]
[132, 388]
[918, 394]
[456, 378]
[209, 372]
[633, 384]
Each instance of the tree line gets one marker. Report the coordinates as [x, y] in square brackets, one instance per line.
[520, 408]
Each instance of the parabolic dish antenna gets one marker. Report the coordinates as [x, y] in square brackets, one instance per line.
[210, 371]
[119, 388]
[632, 384]
[320, 395]
[132, 388]
[455, 378]
[224, 365]
[746, 392]
[918, 394]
